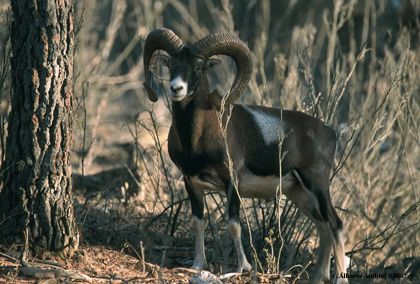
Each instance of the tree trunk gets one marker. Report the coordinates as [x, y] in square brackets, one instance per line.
[36, 199]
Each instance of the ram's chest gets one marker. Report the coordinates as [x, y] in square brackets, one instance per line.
[192, 154]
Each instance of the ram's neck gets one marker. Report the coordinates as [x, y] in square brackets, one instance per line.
[190, 116]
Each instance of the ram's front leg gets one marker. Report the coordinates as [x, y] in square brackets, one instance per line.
[197, 206]
[235, 229]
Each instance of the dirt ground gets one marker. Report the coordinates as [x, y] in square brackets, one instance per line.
[97, 264]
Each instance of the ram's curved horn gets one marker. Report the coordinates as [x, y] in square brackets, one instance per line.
[230, 45]
[163, 39]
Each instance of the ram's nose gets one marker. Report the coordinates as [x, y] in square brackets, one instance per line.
[176, 88]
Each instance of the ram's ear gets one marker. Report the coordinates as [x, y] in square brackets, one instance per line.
[212, 62]
[154, 88]
[161, 59]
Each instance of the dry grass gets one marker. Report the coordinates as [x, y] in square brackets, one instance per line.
[352, 64]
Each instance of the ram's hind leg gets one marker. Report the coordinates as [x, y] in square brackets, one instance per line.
[317, 181]
[314, 204]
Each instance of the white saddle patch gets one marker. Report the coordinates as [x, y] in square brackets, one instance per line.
[269, 126]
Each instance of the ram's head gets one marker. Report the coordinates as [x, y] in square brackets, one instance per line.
[188, 63]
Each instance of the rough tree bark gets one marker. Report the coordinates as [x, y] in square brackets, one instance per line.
[36, 199]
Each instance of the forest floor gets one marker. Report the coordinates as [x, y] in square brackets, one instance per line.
[97, 264]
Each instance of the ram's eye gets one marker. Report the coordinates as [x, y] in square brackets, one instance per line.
[199, 65]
